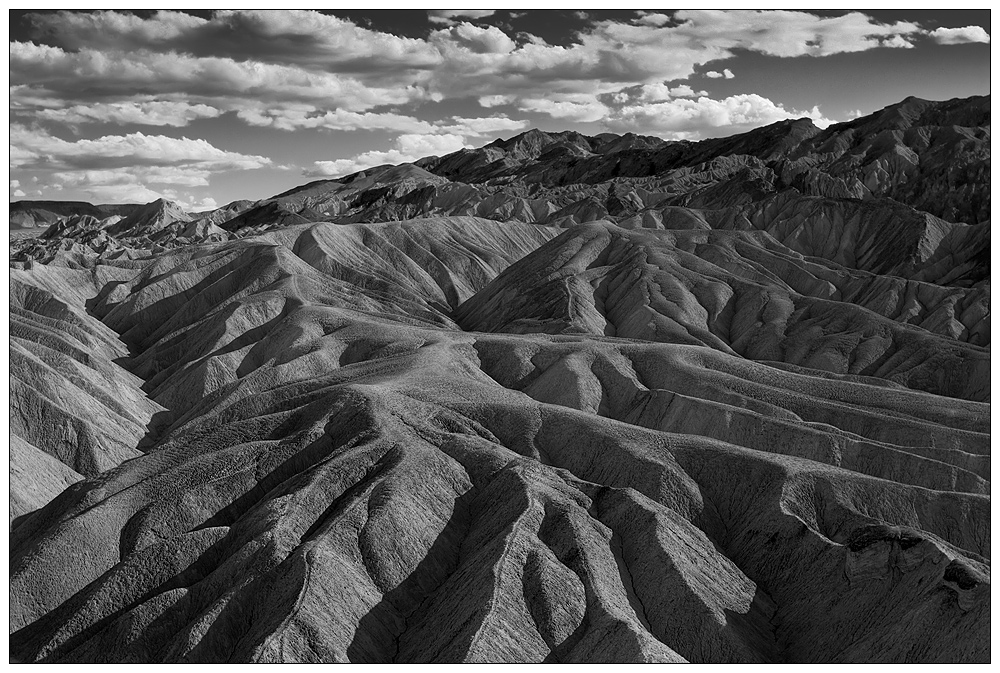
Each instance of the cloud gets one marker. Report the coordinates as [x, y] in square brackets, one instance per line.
[303, 69]
[489, 40]
[36, 148]
[14, 184]
[149, 113]
[201, 205]
[125, 193]
[91, 75]
[965, 35]
[662, 91]
[299, 37]
[727, 73]
[18, 193]
[120, 167]
[685, 118]
[480, 126]
[306, 117]
[446, 16]
[651, 19]
[408, 148]
[788, 33]
[496, 100]
[578, 108]
[897, 42]
[289, 118]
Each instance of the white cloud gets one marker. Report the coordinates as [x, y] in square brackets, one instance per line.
[291, 117]
[226, 83]
[897, 42]
[18, 193]
[574, 107]
[960, 35]
[303, 69]
[488, 40]
[300, 37]
[712, 74]
[788, 33]
[651, 19]
[662, 91]
[201, 205]
[125, 193]
[687, 118]
[496, 100]
[149, 113]
[446, 16]
[305, 116]
[408, 148]
[120, 167]
[35, 148]
[14, 184]
[480, 126]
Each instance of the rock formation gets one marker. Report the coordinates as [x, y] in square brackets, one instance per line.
[561, 398]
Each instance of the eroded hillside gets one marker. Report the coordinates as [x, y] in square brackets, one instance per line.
[556, 399]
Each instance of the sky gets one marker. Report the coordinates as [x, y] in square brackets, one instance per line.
[207, 107]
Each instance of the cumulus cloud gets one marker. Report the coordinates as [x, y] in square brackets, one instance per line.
[36, 148]
[788, 33]
[64, 75]
[113, 166]
[408, 148]
[201, 205]
[727, 73]
[897, 42]
[578, 108]
[301, 37]
[149, 113]
[289, 118]
[263, 61]
[686, 118]
[965, 35]
[488, 40]
[447, 16]
[305, 117]
[18, 193]
[662, 91]
[496, 100]
[651, 19]
[458, 57]
[480, 126]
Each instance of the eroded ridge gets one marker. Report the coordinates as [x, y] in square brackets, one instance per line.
[581, 400]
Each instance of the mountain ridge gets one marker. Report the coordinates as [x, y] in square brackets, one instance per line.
[559, 398]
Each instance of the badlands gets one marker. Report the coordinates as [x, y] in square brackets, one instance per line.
[559, 398]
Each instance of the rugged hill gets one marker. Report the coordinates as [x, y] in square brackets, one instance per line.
[28, 214]
[605, 399]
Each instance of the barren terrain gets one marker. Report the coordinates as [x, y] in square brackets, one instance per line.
[561, 398]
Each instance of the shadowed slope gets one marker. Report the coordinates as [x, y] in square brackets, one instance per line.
[746, 295]
[356, 484]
